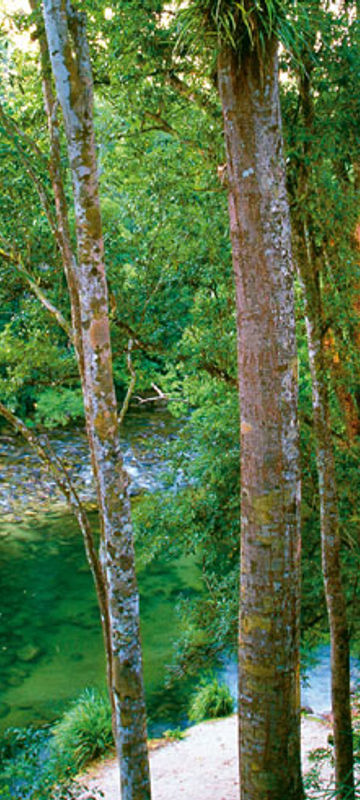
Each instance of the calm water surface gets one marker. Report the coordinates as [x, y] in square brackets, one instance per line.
[50, 638]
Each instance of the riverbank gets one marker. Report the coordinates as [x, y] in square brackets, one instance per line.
[202, 765]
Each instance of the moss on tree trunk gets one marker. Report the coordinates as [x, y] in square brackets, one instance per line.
[269, 695]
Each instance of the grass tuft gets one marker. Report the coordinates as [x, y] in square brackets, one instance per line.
[85, 731]
[211, 700]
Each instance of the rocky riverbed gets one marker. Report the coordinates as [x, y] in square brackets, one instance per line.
[25, 484]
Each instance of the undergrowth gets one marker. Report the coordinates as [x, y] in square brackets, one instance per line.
[41, 764]
[212, 699]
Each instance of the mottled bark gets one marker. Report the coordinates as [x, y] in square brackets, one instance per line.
[65, 30]
[309, 269]
[330, 535]
[347, 404]
[62, 227]
[269, 691]
[61, 230]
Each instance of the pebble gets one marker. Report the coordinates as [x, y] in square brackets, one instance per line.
[28, 653]
[4, 709]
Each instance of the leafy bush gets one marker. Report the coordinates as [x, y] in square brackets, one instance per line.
[59, 406]
[24, 772]
[19, 740]
[173, 734]
[212, 699]
[314, 782]
[37, 764]
[84, 732]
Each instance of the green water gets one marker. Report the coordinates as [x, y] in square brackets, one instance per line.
[50, 639]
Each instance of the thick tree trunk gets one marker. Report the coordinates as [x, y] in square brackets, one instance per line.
[269, 691]
[65, 30]
[329, 524]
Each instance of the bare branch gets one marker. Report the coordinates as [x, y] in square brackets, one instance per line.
[160, 395]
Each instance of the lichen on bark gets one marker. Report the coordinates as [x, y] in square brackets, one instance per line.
[269, 691]
[66, 37]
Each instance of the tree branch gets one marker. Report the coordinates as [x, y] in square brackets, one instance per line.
[9, 122]
[194, 95]
[16, 261]
[44, 200]
[160, 395]
[62, 232]
[131, 386]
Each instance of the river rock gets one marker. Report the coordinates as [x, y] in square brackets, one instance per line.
[15, 680]
[28, 653]
[17, 676]
[4, 709]
[76, 657]
[7, 657]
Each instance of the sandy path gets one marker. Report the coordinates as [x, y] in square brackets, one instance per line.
[203, 765]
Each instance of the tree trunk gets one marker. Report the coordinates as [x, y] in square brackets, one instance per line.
[309, 270]
[65, 30]
[330, 538]
[269, 689]
[62, 236]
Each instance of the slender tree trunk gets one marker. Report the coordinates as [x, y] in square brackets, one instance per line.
[269, 690]
[347, 403]
[69, 262]
[309, 270]
[66, 36]
[330, 537]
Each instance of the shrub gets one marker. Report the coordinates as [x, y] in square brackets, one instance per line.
[16, 741]
[23, 751]
[84, 732]
[212, 699]
[173, 734]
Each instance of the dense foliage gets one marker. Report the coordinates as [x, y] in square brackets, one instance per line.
[46, 760]
[165, 226]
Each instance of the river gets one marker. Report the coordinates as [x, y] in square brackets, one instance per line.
[50, 639]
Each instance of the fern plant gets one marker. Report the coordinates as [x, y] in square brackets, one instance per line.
[243, 26]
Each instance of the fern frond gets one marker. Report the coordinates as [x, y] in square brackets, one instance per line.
[241, 24]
